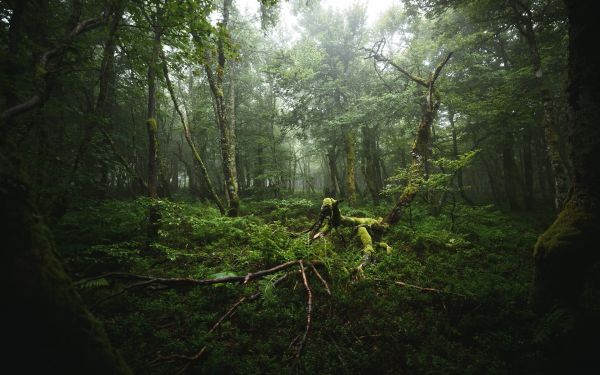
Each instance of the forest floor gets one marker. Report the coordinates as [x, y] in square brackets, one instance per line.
[451, 298]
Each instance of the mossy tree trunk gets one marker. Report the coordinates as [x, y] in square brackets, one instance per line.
[418, 170]
[46, 321]
[566, 254]
[224, 112]
[524, 17]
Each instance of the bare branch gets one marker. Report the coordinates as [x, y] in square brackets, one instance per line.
[308, 310]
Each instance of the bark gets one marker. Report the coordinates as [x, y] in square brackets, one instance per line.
[47, 322]
[559, 170]
[152, 131]
[568, 247]
[332, 163]
[566, 254]
[151, 122]
[349, 142]
[224, 113]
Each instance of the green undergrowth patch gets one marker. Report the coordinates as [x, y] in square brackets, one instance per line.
[450, 299]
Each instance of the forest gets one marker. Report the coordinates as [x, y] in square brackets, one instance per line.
[299, 186]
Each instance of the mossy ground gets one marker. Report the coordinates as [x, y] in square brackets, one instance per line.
[480, 323]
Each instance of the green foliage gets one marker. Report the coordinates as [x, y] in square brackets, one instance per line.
[477, 257]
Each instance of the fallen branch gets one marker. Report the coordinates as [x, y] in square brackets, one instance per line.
[308, 310]
[325, 285]
[421, 288]
[177, 282]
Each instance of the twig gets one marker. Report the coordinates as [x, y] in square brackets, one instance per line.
[308, 310]
[424, 289]
[129, 287]
[321, 278]
[192, 358]
[229, 313]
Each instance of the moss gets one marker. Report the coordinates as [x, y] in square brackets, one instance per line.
[562, 255]
[152, 125]
[328, 202]
[48, 322]
[366, 240]
[40, 71]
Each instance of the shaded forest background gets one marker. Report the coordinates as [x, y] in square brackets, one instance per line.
[150, 145]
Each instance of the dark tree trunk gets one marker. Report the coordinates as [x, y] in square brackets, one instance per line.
[509, 170]
[528, 197]
[565, 255]
[459, 172]
[47, 322]
[370, 163]
[333, 172]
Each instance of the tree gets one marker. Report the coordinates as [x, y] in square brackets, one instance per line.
[566, 253]
[224, 108]
[418, 168]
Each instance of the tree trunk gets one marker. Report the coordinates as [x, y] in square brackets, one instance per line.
[48, 323]
[370, 163]
[152, 130]
[335, 181]
[190, 141]
[418, 169]
[528, 196]
[224, 113]
[559, 170]
[459, 172]
[566, 255]
[509, 170]
[349, 141]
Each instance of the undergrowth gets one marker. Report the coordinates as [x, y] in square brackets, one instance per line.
[473, 319]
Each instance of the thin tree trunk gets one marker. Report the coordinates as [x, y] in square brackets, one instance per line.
[528, 196]
[509, 172]
[459, 172]
[224, 113]
[332, 162]
[190, 141]
[559, 170]
[349, 141]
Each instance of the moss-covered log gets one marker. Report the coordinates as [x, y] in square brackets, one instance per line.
[368, 230]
